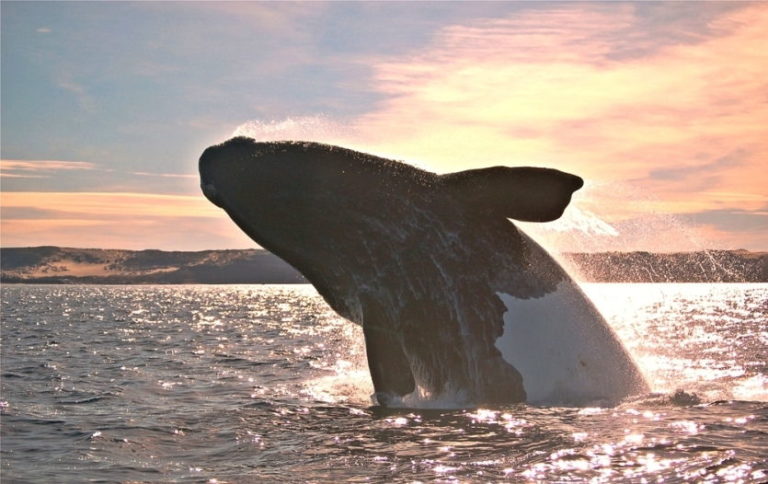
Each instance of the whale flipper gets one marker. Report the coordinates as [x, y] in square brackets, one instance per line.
[389, 366]
[523, 193]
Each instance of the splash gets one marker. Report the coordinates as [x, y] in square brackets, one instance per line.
[616, 232]
[576, 226]
[752, 387]
[345, 378]
[614, 216]
[348, 385]
[305, 128]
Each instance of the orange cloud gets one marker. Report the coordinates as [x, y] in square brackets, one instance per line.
[118, 220]
[165, 175]
[681, 125]
[108, 204]
[551, 87]
[661, 130]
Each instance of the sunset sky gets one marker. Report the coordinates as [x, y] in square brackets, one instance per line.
[662, 107]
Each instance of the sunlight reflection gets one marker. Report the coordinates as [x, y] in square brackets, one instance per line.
[686, 426]
[675, 347]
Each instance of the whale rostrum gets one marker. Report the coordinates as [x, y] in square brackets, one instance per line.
[456, 303]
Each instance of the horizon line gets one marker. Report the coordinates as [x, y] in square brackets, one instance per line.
[43, 246]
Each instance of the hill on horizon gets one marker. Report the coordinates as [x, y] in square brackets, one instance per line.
[65, 265]
[58, 265]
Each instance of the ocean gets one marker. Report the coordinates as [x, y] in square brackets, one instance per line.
[265, 383]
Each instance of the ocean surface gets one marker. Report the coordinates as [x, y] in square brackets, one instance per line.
[266, 384]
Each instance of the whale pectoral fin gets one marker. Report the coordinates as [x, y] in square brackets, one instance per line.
[389, 367]
[524, 193]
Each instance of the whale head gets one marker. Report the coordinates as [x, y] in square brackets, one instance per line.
[306, 201]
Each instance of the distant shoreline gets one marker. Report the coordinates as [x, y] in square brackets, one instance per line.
[63, 265]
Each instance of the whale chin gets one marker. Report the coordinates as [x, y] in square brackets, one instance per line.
[210, 192]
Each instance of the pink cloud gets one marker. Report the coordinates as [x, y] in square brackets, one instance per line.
[146, 232]
[552, 88]
[118, 220]
[165, 175]
[133, 205]
[40, 168]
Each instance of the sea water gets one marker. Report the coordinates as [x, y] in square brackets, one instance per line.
[266, 384]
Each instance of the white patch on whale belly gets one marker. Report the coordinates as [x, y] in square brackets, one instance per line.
[564, 350]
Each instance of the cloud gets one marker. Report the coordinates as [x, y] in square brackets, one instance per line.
[688, 172]
[186, 233]
[40, 168]
[731, 228]
[731, 220]
[85, 177]
[120, 220]
[663, 111]
[133, 205]
[586, 88]
[68, 82]
[283, 18]
[164, 175]
[662, 107]
[543, 86]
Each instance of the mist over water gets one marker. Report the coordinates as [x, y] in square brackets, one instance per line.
[266, 383]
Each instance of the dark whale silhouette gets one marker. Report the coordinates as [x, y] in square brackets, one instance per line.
[432, 269]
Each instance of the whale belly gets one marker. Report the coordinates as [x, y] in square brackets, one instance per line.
[564, 349]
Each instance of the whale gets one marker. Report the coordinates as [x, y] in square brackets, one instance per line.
[458, 306]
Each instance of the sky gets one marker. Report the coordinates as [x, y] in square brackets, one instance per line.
[661, 106]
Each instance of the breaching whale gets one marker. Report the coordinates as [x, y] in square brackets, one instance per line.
[457, 304]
